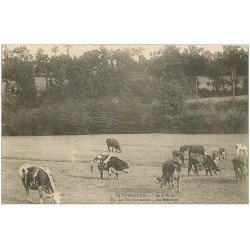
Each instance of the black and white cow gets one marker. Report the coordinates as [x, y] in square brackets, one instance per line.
[39, 178]
[179, 155]
[171, 170]
[111, 164]
[98, 162]
[222, 153]
[215, 156]
[200, 162]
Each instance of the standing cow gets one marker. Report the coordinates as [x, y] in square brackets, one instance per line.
[99, 162]
[39, 178]
[241, 149]
[197, 149]
[171, 170]
[215, 156]
[184, 148]
[240, 164]
[112, 164]
[222, 153]
[113, 143]
[179, 155]
[203, 162]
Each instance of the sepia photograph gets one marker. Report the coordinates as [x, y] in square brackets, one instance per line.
[124, 124]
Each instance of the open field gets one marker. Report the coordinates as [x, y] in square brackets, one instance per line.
[145, 153]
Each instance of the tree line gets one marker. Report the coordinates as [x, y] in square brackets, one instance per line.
[110, 91]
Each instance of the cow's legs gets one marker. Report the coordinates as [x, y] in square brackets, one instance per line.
[210, 171]
[101, 173]
[117, 176]
[28, 194]
[40, 191]
[189, 169]
[179, 182]
[236, 173]
[206, 172]
[171, 184]
[163, 181]
[196, 170]
[109, 171]
[27, 190]
[108, 148]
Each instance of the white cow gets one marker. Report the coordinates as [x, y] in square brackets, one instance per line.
[241, 149]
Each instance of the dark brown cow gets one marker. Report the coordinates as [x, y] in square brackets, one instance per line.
[240, 164]
[171, 169]
[113, 143]
[203, 162]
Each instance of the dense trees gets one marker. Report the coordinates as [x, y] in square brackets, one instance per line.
[110, 91]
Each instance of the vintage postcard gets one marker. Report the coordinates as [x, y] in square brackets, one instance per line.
[125, 124]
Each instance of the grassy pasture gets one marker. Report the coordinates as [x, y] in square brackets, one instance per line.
[145, 153]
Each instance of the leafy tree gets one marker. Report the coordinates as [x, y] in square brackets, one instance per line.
[18, 73]
[194, 65]
[236, 60]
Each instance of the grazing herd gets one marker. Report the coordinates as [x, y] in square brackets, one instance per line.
[39, 178]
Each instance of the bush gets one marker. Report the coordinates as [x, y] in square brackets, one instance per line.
[122, 115]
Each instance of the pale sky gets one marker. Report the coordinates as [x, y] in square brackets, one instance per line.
[78, 50]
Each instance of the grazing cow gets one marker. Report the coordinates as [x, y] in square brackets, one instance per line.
[215, 156]
[222, 153]
[197, 149]
[184, 148]
[171, 169]
[240, 164]
[203, 162]
[39, 178]
[179, 155]
[111, 164]
[241, 149]
[114, 164]
[113, 143]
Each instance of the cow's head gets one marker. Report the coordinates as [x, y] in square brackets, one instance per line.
[56, 197]
[216, 168]
[126, 169]
[98, 158]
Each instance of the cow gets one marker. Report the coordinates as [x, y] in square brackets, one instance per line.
[197, 149]
[240, 164]
[111, 164]
[184, 148]
[178, 154]
[39, 178]
[241, 149]
[222, 153]
[171, 170]
[203, 162]
[215, 156]
[98, 162]
[113, 143]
